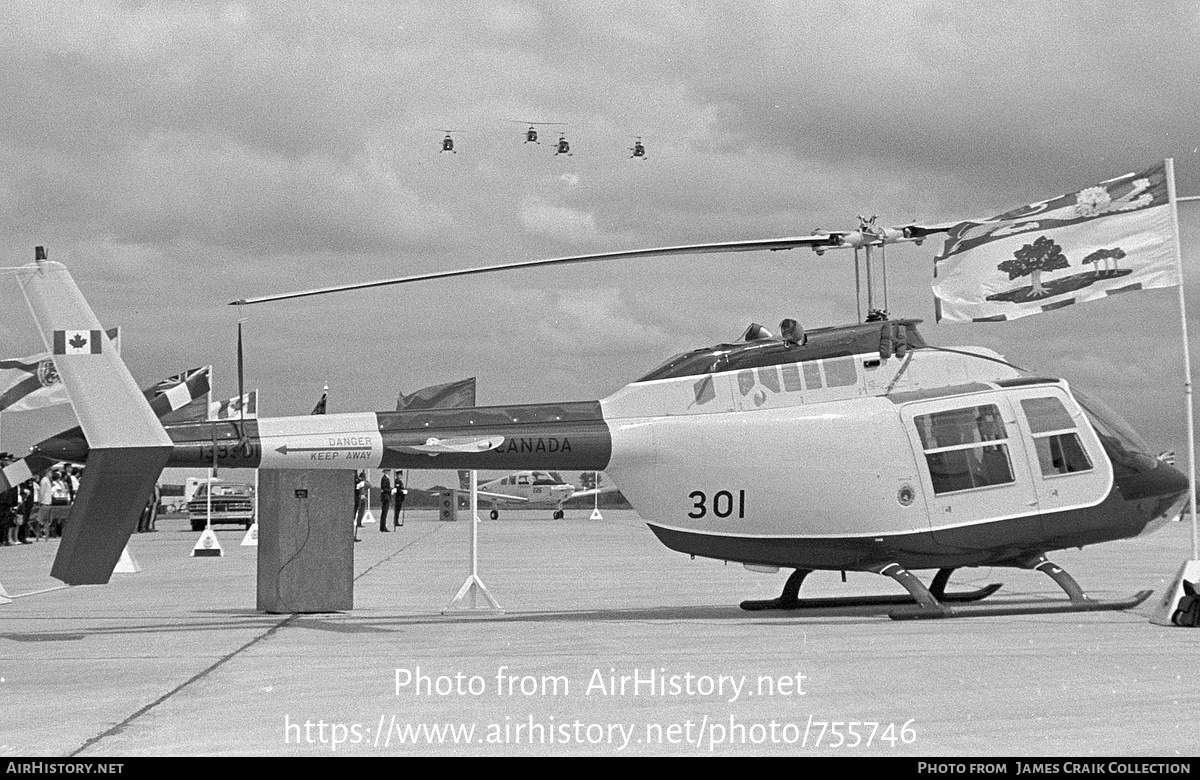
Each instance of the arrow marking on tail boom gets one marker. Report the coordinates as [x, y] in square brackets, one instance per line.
[284, 450]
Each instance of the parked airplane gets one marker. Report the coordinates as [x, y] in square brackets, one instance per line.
[532, 490]
[908, 456]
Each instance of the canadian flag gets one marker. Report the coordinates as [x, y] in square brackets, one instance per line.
[78, 342]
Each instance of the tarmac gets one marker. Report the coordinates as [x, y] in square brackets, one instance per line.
[608, 644]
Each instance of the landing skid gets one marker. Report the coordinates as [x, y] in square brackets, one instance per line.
[790, 600]
[990, 610]
[933, 602]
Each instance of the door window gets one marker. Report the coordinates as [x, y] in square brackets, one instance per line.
[965, 448]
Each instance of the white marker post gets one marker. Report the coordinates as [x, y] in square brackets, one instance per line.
[473, 589]
[596, 499]
[1191, 568]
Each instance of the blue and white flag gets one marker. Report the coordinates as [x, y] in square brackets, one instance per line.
[1116, 237]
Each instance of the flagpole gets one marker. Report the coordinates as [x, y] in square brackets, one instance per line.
[1187, 362]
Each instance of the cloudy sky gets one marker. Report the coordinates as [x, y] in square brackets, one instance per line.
[178, 156]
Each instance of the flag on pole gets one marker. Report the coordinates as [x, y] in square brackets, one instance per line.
[451, 395]
[185, 397]
[1115, 237]
[33, 382]
[320, 407]
[235, 408]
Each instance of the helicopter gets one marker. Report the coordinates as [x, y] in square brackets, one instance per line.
[531, 134]
[638, 149]
[448, 142]
[910, 456]
[563, 147]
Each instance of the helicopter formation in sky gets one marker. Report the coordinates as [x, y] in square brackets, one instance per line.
[562, 147]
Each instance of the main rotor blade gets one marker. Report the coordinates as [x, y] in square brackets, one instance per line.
[729, 246]
[820, 242]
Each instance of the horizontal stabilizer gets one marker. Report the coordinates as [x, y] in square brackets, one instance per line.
[434, 445]
[115, 486]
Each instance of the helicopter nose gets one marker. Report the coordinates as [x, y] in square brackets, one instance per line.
[1162, 481]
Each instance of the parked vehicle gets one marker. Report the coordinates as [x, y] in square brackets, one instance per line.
[232, 502]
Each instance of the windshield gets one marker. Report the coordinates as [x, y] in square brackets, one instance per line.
[1124, 443]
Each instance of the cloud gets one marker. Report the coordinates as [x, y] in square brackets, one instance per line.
[559, 222]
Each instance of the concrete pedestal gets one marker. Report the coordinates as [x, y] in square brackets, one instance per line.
[305, 541]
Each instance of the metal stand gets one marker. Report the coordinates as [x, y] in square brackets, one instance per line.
[473, 595]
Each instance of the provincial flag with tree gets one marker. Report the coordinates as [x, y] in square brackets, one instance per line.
[1115, 237]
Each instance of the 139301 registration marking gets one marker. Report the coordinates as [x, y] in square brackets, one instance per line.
[723, 503]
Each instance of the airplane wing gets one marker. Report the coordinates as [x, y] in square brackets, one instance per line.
[500, 496]
[818, 242]
[434, 446]
[594, 491]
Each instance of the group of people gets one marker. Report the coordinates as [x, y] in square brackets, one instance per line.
[391, 496]
[27, 510]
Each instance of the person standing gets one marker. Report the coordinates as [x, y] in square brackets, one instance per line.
[397, 520]
[385, 499]
[361, 495]
[8, 508]
[45, 505]
[28, 497]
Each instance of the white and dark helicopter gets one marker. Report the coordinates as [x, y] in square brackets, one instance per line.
[907, 456]
[531, 134]
[531, 490]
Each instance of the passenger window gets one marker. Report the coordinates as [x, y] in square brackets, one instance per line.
[841, 372]
[745, 381]
[812, 376]
[768, 376]
[1059, 449]
[964, 448]
[791, 378]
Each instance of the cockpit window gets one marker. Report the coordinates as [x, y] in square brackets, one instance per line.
[1122, 442]
[1058, 447]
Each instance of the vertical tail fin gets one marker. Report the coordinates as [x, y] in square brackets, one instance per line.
[128, 446]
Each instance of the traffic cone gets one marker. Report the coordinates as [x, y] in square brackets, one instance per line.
[1190, 571]
[251, 537]
[207, 546]
[127, 564]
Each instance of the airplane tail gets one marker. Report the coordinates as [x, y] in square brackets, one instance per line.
[128, 446]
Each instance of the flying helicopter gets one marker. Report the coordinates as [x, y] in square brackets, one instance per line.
[531, 134]
[533, 490]
[909, 456]
[638, 149]
[448, 142]
[563, 147]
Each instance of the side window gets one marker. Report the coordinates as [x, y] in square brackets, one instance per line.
[841, 372]
[812, 376]
[791, 377]
[965, 448]
[1059, 449]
